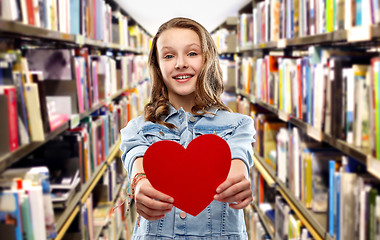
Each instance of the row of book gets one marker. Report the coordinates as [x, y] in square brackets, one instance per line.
[98, 212]
[42, 89]
[225, 40]
[69, 160]
[27, 204]
[281, 221]
[287, 224]
[94, 19]
[255, 228]
[321, 178]
[354, 202]
[272, 20]
[228, 66]
[333, 90]
[26, 210]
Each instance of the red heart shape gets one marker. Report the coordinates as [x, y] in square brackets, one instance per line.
[190, 175]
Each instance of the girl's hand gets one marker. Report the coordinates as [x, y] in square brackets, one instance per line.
[150, 203]
[236, 190]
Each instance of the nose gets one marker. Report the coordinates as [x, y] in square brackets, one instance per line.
[181, 62]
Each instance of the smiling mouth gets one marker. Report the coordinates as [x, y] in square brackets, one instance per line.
[183, 77]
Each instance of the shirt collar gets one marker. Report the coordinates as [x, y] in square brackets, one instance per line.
[211, 112]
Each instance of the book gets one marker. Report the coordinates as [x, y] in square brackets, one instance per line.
[10, 216]
[320, 172]
[348, 199]
[282, 211]
[37, 78]
[23, 122]
[361, 123]
[102, 213]
[9, 124]
[33, 109]
[62, 156]
[26, 216]
[55, 64]
[35, 184]
[269, 139]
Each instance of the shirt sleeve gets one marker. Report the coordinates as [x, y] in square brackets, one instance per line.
[241, 141]
[133, 145]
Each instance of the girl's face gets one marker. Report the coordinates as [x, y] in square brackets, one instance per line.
[180, 59]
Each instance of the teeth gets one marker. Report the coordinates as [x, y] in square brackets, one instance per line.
[182, 77]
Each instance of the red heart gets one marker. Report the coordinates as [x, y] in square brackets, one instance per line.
[190, 175]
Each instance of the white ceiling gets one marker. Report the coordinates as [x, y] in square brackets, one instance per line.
[150, 14]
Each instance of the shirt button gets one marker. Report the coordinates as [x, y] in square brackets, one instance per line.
[192, 119]
[162, 133]
[183, 215]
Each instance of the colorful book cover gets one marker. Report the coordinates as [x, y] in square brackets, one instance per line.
[377, 107]
[337, 212]
[331, 225]
[33, 109]
[75, 16]
[10, 93]
[10, 216]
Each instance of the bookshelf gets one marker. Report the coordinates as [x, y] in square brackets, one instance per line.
[339, 144]
[64, 220]
[314, 222]
[265, 221]
[302, 45]
[10, 158]
[25, 32]
[114, 106]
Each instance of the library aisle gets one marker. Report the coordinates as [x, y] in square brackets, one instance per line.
[73, 73]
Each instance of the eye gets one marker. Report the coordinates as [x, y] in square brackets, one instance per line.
[168, 56]
[192, 54]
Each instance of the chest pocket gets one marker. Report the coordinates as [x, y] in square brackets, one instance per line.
[157, 133]
[224, 132]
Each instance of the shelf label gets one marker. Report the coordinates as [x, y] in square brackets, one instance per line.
[359, 33]
[315, 133]
[282, 43]
[74, 121]
[373, 166]
[283, 116]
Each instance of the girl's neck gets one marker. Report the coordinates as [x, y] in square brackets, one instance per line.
[186, 103]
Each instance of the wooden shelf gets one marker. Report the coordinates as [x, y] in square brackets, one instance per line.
[341, 36]
[26, 32]
[268, 225]
[10, 158]
[64, 220]
[357, 153]
[315, 223]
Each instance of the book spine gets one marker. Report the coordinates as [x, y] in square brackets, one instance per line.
[10, 93]
[331, 198]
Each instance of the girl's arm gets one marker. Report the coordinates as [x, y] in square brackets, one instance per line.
[150, 203]
[236, 190]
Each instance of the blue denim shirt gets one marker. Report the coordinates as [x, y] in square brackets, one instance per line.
[218, 220]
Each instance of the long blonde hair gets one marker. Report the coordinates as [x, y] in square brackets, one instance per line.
[209, 85]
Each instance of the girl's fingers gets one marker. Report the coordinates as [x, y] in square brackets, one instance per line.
[146, 188]
[152, 203]
[233, 190]
[150, 211]
[149, 217]
[242, 204]
[226, 184]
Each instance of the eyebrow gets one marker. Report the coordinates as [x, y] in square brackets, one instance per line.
[189, 45]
